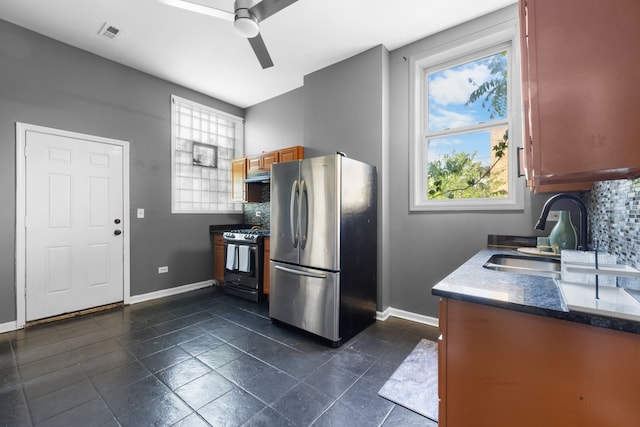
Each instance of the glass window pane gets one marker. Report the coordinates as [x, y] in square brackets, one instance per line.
[199, 187]
[467, 94]
[469, 165]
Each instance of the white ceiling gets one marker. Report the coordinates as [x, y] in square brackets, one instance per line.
[205, 54]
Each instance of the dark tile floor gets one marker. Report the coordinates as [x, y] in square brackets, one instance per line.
[196, 359]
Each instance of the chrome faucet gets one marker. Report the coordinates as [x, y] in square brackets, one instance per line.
[542, 221]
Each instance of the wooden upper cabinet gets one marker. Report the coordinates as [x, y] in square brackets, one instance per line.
[238, 175]
[241, 192]
[291, 153]
[254, 164]
[269, 158]
[580, 91]
[260, 163]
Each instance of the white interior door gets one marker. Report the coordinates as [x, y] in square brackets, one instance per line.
[74, 224]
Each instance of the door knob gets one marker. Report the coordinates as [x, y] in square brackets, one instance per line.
[117, 221]
[117, 232]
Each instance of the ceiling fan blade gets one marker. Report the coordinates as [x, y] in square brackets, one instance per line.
[198, 8]
[260, 49]
[266, 8]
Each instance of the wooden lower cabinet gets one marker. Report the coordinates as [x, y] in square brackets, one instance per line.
[499, 367]
[266, 278]
[218, 258]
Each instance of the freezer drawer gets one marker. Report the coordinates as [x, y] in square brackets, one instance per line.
[305, 298]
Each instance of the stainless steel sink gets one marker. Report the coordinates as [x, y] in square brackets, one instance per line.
[534, 266]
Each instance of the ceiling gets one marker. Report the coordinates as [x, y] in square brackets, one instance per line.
[204, 53]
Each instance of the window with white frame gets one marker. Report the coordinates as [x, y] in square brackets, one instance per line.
[467, 125]
[203, 143]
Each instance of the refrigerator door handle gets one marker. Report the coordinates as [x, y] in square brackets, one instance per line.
[293, 217]
[301, 273]
[304, 213]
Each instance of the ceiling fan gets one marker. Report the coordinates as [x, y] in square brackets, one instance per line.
[246, 18]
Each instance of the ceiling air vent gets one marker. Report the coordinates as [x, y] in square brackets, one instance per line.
[109, 31]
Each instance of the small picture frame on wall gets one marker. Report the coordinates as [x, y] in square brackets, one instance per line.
[205, 155]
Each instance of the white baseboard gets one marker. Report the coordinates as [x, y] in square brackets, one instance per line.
[13, 326]
[9, 326]
[168, 292]
[382, 316]
[407, 315]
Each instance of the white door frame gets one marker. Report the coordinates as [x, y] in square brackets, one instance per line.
[21, 131]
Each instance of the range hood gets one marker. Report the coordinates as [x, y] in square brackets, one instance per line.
[263, 177]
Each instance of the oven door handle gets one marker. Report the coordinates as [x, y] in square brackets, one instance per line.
[293, 214]
[301, 273]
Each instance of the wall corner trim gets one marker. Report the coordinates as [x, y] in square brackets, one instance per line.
[134, 299]
[407, 315]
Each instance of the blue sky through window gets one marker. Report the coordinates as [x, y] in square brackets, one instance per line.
[448, 92]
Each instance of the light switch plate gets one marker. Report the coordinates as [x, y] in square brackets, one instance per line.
[140, 213]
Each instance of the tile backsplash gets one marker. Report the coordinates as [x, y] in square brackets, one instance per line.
[614, 218]
[259, 213]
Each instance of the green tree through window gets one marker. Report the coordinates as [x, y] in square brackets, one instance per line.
[464, 172]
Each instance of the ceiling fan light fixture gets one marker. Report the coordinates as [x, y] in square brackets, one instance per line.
[246, 24]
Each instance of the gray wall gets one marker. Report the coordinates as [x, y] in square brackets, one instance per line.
[48, 83]
[345, 109]
[276, 123]
[427, 246]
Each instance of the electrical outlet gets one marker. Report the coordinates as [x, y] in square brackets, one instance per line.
[553, 216]
[164, 269]
[140, 213]
[258, 214]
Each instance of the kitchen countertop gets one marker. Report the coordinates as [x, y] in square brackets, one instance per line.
[519, 292]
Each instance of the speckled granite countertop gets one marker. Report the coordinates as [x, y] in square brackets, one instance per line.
[529, 294]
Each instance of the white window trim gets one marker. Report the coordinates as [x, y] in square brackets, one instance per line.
[506, 33]
[239, 153]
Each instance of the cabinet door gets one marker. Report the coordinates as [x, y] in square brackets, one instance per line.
[218, 259]
[580, 91]
[267, 272]
[504, 365]
[269, 158]
[254, 164]
[238, 174]
[291, 153]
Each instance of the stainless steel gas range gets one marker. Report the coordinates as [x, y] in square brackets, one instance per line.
[244, 266]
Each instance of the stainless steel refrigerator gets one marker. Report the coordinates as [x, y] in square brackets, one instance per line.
[324, 246]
